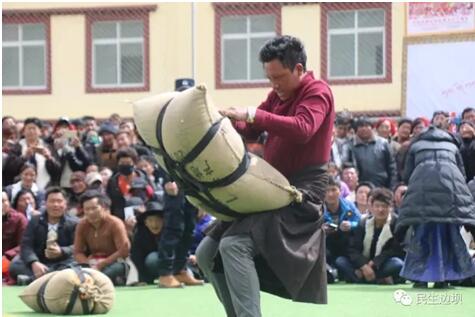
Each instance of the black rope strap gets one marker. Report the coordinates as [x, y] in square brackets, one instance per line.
[191, 186]
[75, 294]
[40, 297]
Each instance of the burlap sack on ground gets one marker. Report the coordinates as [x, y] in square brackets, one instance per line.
[188, 117]
[97, 290]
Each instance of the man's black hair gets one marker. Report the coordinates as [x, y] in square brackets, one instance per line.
[55, 190]
[103, 200]
[287, 49]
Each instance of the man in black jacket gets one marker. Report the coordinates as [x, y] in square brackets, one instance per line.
[47, 244]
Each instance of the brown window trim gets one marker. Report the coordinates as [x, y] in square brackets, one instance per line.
[225, 9]
[117, 16]
[324, 43]
[25, 19]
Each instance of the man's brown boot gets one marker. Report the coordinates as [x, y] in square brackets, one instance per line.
[187, 279]
[169, 281]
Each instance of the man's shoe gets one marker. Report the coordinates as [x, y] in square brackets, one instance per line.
[187, 279]
[169, 281]
[442, 285]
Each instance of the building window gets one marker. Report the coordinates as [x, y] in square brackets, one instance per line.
[241, 32]
[117, 54]
[357, 44]
[25, 62]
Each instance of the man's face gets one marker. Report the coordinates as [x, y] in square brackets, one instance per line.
[107, 138]
[284, 81]
[364, 132]
[93, 210]
[380, 210]
[5, 204]
[404, 130]
[441, 121]
[469, 116]
[78, 185]
[32, 131]
[146, 167]
[350, 177]
[28, 177]
[467, 131]
[154, 224]
[341, 131]
[55, 205]
[332, 195]
[90, 125]
[123, 140]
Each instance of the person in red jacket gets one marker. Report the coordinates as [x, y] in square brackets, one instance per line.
[281, 252]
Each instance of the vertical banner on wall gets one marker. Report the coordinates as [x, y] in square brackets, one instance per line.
[438, 17]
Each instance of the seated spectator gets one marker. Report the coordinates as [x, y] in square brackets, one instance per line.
[362, 197]
[374, 254]
[26, 203]
[101, 239]
[47, 243]
[92, 168]
[334, 172]
[203, 220]
[106, 152]
[340, 217]
[78, 187]
[372, 156]
[27, 181]
[106, 174]
[118, 188]
[34, 150]
[349, 175]
[13, 227]
[144, 251]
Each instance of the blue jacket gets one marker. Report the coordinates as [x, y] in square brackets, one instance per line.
[347, 211]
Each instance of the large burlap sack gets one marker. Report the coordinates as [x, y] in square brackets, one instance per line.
[54, 292]
[186, 121]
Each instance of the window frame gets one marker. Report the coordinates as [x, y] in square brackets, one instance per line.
[32, 19]
[225, 10]
[91, 18]
[387, 38]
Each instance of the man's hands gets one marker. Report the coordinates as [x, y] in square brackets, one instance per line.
[345, 226]
[39, 269]
[171, 188]
[53, 251]
[367, 272]
[234, 114]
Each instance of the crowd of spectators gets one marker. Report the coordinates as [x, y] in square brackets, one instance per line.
[77, 191]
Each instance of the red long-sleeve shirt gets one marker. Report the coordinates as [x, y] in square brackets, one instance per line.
[299, 129]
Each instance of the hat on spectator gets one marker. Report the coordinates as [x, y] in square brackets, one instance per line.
[152, 208]
[33, 120]
[62, 122]
[93, 177]
[81, 176]
[133, 201]
[107, 127]
[183, 84]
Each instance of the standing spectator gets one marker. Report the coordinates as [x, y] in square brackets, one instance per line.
[156, 175]
[386, 129]
[418, 125]
[341, 146]
[101, 239]
[467, 148]
[48, 240]
[403, 131]
[372, 156]
[144, 251]
[27, 181]
[374, 254]
[436, 204]
[70, 153]
[349, 175]
[124, 140]
[468, 114]
[441, 120]
[13, 227]
[106, 152]
[34, 150]
[118, 188]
